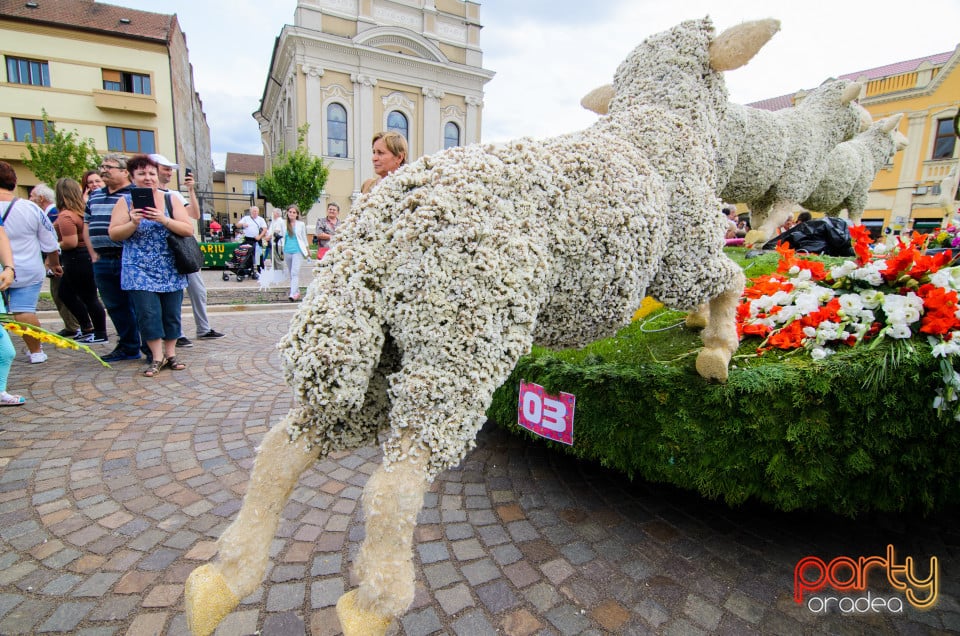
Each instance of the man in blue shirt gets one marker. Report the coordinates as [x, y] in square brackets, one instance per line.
[106, 256]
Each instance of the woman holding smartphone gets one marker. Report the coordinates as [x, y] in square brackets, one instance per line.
[141, 220]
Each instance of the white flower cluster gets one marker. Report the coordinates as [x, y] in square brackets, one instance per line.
[443, 276]
[851, 169]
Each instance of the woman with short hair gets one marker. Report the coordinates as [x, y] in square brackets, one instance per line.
[148, 272]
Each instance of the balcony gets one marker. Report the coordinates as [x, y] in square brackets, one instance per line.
[126, 102]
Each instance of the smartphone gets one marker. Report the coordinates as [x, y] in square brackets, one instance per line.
[187, 172]
[142, 198]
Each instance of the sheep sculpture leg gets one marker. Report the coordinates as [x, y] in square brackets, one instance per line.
[719, 337]
[213, 590]
[392, 499]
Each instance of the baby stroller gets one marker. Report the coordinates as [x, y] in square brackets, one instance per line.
[241, 263]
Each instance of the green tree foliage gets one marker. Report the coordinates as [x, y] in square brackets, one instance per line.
[295, 177]
[61, 154]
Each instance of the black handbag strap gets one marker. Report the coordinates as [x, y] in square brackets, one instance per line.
[3, 219]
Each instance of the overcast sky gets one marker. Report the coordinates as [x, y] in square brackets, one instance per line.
[548, 53]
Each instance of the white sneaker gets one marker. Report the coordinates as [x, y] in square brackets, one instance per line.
[38, 357]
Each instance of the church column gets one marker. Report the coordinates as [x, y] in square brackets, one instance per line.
[317, 130]
[432, 126]
[363, 127]
[472, 133]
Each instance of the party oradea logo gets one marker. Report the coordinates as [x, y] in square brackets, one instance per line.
[849, 579]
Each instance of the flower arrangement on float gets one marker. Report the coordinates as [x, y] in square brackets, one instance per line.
[947, 236]
[898, 294]
[46, 337]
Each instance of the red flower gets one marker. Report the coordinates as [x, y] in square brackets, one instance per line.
[861, 243]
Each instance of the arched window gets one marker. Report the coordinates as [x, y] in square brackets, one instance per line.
[397, 121]
[451, 135]
[336, 130]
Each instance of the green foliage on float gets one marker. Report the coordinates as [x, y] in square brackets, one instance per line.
[853, 433]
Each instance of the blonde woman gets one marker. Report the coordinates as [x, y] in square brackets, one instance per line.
[389, 153]
[294, 249]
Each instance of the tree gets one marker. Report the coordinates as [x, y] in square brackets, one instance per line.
[60, 154]
[295, 177]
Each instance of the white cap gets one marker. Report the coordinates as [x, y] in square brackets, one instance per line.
[163, 161]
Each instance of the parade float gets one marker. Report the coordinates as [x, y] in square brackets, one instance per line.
[842, 395]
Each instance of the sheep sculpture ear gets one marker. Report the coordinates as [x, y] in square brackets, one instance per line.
[598, 100]
[737, 45]
[851, 92]
[891, 122]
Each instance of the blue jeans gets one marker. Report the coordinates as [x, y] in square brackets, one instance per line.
[106, 273]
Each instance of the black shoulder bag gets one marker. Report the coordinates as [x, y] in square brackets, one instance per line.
[187, 257]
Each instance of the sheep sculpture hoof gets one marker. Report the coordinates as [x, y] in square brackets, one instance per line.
[712, 364]
[358, 622]
[754, 237]
[208, 600]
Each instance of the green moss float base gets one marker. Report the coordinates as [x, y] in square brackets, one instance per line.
[849, 434]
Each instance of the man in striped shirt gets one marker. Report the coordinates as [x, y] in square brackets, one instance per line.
[106, 256]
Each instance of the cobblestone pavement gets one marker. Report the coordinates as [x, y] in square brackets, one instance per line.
[113, 488]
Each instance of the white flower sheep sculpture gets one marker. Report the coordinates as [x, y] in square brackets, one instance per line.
[773, 160]
[851, 168]
[447, 272]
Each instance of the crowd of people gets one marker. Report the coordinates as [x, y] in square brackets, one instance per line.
[107, 255]
[104, 256]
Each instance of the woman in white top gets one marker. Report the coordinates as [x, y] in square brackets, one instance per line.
[294, 249]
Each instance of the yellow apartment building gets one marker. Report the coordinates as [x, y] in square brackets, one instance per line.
[119, 76]
[351, 68]
[907, 192]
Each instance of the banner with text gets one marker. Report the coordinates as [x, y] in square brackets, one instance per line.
[549, 416]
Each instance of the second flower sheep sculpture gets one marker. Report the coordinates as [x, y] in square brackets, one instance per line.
[446, 273]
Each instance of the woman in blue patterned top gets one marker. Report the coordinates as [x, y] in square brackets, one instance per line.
[147, 270]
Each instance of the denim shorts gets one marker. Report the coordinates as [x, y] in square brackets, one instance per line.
[23, 300]
[158, 313]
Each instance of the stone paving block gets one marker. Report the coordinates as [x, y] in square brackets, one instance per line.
[285, 596]
[423, 622]
[568, 619]
[115, 608]
[66, 617]
[159, 559]
[61, 585]
[541, 596]
[283, 624]
[521, 623]
[497, 596]
[23, 618]
[239, 622]
[521, 574]
[8, 602]
[506, 554]
[652, 612]
[432, 552]
[163, 596]
[473, 624]
[148, 624]
[745, 607]
[16, 572]
[97, 585]
[326, 564]
[480, 572]
[441, 574]
[454, 599]
[467, 550]
[326, 592]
